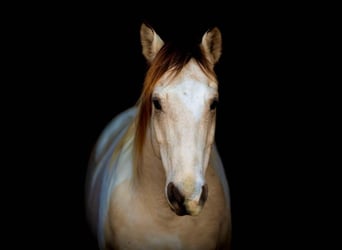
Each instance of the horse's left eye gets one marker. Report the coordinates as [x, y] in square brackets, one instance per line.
[213, 105]
[156, 104]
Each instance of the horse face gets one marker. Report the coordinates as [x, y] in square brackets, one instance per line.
[183, 127]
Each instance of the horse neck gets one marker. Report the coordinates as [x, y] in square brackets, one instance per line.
[150, 177]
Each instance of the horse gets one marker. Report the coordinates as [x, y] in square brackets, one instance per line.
[155, 178]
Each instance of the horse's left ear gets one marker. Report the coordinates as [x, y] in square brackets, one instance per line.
[212, 45]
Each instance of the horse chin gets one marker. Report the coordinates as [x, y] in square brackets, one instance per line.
[190, 208]
[182, 205]
[179, 212]
[193, 208]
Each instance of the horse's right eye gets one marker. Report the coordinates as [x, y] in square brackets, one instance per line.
[156, 104]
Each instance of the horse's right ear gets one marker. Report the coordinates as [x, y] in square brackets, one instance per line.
[150, 41]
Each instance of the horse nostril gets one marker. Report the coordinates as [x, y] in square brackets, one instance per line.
[204, 195]
[176, 199]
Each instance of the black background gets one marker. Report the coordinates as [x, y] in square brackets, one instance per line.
[82, 65]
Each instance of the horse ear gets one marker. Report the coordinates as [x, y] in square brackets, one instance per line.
[212, 45]
[150, 41]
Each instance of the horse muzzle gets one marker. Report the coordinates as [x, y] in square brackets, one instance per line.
[182, 205]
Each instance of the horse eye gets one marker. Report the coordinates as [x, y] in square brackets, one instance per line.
[213, 105]
[156, 104]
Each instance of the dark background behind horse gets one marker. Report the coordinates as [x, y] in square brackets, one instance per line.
[85, 66]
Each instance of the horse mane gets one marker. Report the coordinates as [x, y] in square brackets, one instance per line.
[171, 58]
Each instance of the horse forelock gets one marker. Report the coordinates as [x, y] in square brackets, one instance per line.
[172, 59]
